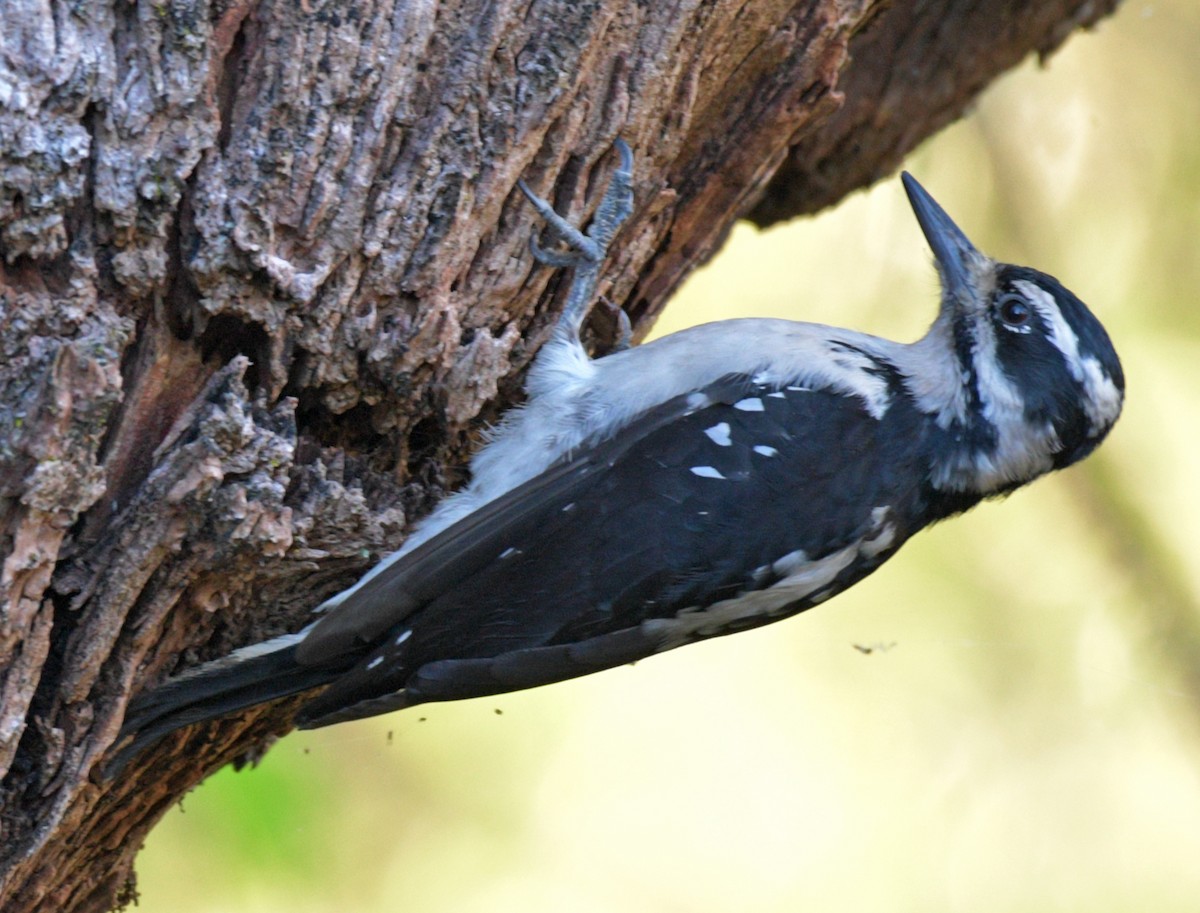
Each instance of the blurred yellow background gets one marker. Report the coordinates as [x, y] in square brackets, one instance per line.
[1004, 718]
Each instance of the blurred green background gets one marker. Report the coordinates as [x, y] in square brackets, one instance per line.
[1004, 718]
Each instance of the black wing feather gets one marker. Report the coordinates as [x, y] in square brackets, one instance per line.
[559, 575]
[469, 546]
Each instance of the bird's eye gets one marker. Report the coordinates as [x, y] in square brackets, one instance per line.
[1015, 311]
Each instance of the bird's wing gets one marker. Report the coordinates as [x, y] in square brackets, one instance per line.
[465, 548]
[714, 515]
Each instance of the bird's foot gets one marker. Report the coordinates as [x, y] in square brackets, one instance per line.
[586, 250]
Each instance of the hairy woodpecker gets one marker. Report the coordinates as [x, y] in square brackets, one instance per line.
[716, 479]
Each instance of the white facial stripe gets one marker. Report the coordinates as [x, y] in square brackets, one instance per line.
[1061, 333]
[1104, 399]
[1002, 402]
[1022, 451]
[1103, 403]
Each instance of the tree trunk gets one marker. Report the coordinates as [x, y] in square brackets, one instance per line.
[265, 275]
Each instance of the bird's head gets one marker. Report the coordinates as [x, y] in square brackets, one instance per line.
[1028, 380]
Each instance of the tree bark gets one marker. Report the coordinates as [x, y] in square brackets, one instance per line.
[265, 276]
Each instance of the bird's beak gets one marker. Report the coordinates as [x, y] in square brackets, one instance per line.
[958, 260]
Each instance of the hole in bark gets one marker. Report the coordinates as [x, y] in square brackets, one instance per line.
[637, 310]
[425, 442]
[299, 372]
[226, 337]
[232, 71]
[29, 760]
[180, 300]
[352, 431]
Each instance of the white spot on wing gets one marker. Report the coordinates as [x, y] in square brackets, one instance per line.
[789, 562]
[749, 404]
[509, 553]
[765, 450]
[404, 635]
[804, 579]
[375, 662]
[230, 660]
[814, 575]
[882, 535]
[880, 542]
[719, 434]
[707, 472]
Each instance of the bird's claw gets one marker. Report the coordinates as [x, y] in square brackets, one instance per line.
[586, 250]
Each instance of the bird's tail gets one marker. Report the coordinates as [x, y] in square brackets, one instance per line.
[214, 690]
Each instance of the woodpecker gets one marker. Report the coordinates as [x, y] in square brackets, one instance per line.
[714, 480]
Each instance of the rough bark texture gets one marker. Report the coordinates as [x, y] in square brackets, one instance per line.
[265, 274]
